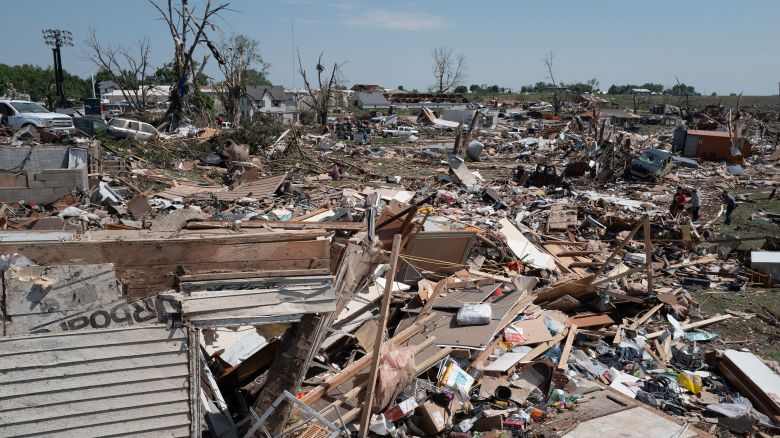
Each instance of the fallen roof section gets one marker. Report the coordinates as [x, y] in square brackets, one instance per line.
[111, 382]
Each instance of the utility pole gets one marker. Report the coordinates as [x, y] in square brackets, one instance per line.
[58, 38]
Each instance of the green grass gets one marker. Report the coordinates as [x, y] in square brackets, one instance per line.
[754, 334]
[759, 337]
[741, 223]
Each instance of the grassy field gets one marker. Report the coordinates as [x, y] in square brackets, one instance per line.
[754, 334]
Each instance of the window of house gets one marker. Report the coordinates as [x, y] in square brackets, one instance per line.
[260, 103]
[276, 103]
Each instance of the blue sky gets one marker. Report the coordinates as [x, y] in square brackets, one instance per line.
[717, 46]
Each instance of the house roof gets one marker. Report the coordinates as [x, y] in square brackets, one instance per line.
[703, 133]
[370, 88]
[609, 112]
[276, 92]
[116, 382]
[107, 84]
[428, 97]
[372, 99]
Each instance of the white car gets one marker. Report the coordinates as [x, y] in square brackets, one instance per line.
[132, 128]
[20, 113]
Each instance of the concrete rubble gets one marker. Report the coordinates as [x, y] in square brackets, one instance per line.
[500, 272]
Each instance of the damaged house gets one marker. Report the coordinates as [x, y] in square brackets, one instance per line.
[269, 99]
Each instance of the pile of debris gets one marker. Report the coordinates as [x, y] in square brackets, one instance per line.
[517, 275]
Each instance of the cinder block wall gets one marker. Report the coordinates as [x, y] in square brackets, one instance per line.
[45, 167]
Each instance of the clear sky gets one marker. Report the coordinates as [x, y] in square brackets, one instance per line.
[715, 45]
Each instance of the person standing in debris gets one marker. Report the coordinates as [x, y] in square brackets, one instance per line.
[695, 205]
[678, 202]
[731, 204]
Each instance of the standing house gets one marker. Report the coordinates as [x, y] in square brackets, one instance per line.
[371, 101]
[269, 99]
[105, 87]
[714, 146]
[614, 117]
[427, 100]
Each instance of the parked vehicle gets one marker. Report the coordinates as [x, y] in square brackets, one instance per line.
[651, 165]
[132, 128]
[89, 125]
[20, 113]
[401, 131]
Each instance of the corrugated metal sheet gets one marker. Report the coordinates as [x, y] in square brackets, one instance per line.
[112, 382]
[256, 300]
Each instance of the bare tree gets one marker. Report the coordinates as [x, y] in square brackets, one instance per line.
[449, 71]
[558, 95]
[187, 26]
[688, 115]
[320, 99]
[238, 54]
[593, 84]
[128, 67]
[548, 62]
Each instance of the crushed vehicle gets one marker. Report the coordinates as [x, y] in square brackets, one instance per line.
[651, 165]
[132, 128]
[17, 114]
[90, 125]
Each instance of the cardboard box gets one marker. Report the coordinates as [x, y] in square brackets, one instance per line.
[434, 418]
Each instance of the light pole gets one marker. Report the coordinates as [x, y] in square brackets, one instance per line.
[58, 38]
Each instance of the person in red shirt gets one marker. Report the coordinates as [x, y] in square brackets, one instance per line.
[678, 202]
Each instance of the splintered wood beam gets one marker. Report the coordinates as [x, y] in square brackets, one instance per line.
[562, 364]
[641, 320]
[648, 254]
[387, 297]
[614, 254]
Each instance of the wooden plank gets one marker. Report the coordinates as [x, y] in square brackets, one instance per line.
[641, 320]
[563, 362]
[618, 276]
[541, 348]
[693, 325]
[614, 254]
[624, 297]
[356, 367]
[148, 266]
[216, 276]
[648, 255]
[384, 312]
[286, 225]
[577, 253]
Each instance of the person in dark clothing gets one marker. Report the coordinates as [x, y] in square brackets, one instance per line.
[731, 204]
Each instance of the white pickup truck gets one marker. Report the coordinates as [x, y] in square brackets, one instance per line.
[20, 113]
[401, 131]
